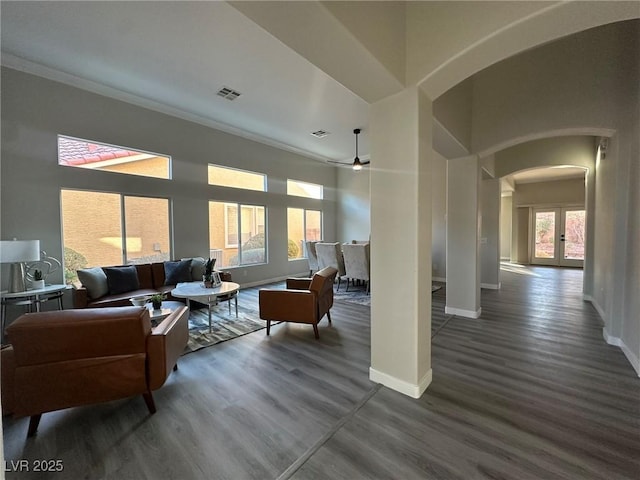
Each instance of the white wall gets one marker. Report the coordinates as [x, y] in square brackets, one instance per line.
[35, 111]
[354, 205]
[506, 203]
[439, 217]
[490, 233]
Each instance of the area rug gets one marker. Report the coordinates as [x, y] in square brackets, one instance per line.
[360, 296]
[223, 326]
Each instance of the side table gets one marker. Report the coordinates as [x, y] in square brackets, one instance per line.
[30, 299]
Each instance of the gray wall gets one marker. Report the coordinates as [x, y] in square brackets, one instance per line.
[505, 227]
[36, 110]
[439, 217]
[354, 205]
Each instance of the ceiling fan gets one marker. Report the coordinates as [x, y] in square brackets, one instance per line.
[357, 163]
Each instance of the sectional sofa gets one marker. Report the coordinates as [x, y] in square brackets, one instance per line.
[114, 286]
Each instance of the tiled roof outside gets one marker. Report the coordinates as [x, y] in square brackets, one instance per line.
[76, 152]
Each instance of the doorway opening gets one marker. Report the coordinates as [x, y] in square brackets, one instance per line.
[558, 236]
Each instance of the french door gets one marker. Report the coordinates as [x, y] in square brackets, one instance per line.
[558, 236]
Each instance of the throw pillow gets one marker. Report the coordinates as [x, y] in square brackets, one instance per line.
[95, 281]
[121, 279]
[177, 272]
[197, 268]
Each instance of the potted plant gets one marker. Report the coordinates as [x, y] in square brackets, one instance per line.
[156, 300]
[207, 278]
[38, 281]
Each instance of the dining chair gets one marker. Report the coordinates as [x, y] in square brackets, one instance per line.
[357, 263]
[312, 256]
[330, 255]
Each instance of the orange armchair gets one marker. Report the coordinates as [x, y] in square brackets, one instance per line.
[306, 300]
[68, 358]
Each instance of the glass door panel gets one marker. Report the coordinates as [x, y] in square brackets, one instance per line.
[545, 226]
[572, 237]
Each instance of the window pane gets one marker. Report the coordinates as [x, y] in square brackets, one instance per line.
[91, 230]
[231, 177]
[574, 235]
[313, 226]
[147, 229]
[303, 189]
[253, 249]
[73, 152]
[545, 233]
[219, 232]
[295, 232]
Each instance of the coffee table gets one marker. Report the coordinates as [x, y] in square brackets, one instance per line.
[166, 309]
[209, 296]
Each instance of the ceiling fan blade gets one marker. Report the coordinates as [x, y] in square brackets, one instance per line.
[339, 163]
[367, 162]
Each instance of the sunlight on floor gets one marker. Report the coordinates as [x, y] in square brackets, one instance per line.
[515, 268]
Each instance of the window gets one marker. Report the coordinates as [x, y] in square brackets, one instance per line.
[302, 225]
[73, 152]
[237, 234]
[303, 189]
[232, 177]
[102, 229]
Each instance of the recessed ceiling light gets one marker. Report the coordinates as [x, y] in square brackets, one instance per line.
[228, 93]
[320, 133]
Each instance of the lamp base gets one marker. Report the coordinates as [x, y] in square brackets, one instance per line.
[16, 279]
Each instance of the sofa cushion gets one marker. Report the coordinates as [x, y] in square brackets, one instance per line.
[197, 268]
[145, 276]
[121, 279]
[95, 281]
[176, 272]
[120, 299]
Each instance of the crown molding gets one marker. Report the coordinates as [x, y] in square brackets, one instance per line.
[23, 65]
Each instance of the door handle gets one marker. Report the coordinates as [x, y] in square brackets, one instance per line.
[562, 237]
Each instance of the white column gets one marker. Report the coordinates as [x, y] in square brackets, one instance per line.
[490, 236]
[463, 229]
[401, 157]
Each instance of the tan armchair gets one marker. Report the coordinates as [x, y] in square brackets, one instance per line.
[69, 358]
[306, 300]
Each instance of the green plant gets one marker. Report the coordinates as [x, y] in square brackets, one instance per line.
[293, 251]
[72, 261]
[156, 300]
[158, 297]
[37, 275]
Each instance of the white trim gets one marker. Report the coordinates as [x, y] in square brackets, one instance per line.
[595, 304]
[616, 341]
[491, 286]
[463, 313]
[27, 66]
[439, 279]
[402, 386]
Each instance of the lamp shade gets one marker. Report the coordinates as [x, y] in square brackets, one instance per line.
[19, 251]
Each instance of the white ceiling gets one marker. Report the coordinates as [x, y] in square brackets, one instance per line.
[174, 56]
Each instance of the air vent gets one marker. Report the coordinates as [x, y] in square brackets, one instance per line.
[319, 133]
[228, 93]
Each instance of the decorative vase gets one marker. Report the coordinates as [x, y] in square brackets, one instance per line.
[37, 284]
[156, 305]
[208, 281]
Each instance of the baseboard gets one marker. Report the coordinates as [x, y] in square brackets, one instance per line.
[406, 388]
[491, 286]
[463, 313]
[596, 305]
[617, 342]
[439, 279]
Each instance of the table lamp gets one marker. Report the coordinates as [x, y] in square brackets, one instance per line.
[16, 252]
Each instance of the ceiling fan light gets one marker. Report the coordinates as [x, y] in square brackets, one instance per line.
[357, 166]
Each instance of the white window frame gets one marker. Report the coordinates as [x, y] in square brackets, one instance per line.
[224, 167]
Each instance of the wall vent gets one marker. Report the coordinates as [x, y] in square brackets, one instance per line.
[228, 93]
[320, 133]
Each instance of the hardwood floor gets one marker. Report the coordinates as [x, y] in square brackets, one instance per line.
[528, 391]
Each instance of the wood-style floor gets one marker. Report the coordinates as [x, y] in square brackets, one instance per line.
[528, 391]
